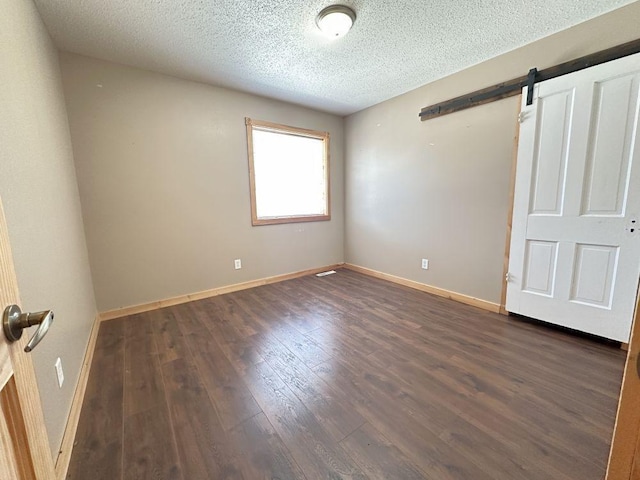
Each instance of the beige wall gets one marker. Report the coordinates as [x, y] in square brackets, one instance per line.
[40, 196]
[163, 177]
[439, 189]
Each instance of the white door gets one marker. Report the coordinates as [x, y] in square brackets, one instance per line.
[575, 244]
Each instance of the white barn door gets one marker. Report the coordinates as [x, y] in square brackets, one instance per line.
[575, 244]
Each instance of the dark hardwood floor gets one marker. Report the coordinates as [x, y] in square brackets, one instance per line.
[343, 376]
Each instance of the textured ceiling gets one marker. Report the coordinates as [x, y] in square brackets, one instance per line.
[273, 48]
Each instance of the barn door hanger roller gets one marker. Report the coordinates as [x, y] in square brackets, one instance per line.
[531, 81]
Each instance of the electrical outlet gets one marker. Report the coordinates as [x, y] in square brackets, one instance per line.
[237, 263]
[59, 372]
[425, 264]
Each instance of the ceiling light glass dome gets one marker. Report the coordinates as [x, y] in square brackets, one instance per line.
[336, 20]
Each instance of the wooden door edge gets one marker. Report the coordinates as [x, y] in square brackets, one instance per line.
[27, 388]
[10, 402]
[9, 466]
[512, 191]
[627, 427]
[26, 384]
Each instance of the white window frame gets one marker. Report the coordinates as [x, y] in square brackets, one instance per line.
[285, 129]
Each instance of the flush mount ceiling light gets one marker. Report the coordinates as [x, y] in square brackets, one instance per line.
[335, 20]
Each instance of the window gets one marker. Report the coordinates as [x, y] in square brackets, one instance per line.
[289, 173]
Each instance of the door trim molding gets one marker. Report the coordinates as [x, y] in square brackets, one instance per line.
[512, 192]
[440, 292]
[66, 447]
[168, 302]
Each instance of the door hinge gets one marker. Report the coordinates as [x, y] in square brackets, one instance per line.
[506, 277]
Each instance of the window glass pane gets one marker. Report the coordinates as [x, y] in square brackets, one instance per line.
[289, 174]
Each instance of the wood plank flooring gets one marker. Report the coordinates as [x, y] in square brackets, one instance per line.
[343, 377]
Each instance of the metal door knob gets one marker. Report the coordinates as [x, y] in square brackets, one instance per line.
[14, 321]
